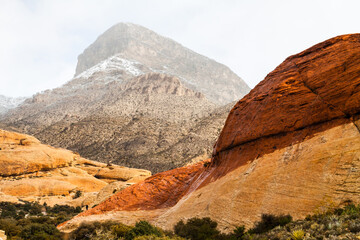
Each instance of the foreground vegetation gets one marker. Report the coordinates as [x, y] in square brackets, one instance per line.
[27, 222]
[340, 223]
[34, 221]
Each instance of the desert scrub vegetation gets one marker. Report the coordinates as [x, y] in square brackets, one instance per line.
[336, 223]
[33, 221]
[27, 221]
[117, 231]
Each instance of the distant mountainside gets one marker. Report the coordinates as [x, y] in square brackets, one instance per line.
[160, 54]
[7, 103]
[152, 104]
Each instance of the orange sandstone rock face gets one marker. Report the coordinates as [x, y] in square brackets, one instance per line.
[32, 171]
[290, 146]
[313, 87]
[159, 191]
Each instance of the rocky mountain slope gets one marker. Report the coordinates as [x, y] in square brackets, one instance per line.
[124, 106]
[31, 171]
[291, 146]
[7, 103]
[151, 122]
[144, 47]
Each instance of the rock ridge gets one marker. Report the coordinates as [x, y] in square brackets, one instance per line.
[288, 83]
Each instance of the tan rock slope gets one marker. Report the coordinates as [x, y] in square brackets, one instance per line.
[31, 171]
[291, 146]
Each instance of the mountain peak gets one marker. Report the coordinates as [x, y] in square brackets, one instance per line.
[160, 54]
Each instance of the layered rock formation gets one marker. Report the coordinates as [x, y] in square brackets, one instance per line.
[145, 100]
[31, 171]
[291, 146]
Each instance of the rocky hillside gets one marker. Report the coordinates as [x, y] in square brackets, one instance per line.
[7, 103]
[148, 51]
[291, 146]
[151, 122]
[31, 171]
[133, 103]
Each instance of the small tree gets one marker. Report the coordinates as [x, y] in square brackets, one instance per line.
[143, 228]
[197, 229]
[269, 221]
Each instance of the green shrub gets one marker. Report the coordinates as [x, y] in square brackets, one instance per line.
[269, 221]
[120, 229]
[143, 228]
[37, 231]
[78, 194]
[8, 211]
[10, 227]
[197, 229]
[238, 233]
[351, 210]
[35, 209]
[63, 209]
[154, 237]
[93, 229]
[297, 235]
[354, 227]
[85, 230]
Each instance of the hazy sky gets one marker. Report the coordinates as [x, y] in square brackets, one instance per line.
[40, 40]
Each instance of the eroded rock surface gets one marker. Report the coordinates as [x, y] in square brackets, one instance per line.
[33, 171]
[290, 146]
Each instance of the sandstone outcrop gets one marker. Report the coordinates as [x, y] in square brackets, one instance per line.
[32, 171]
[291, 146]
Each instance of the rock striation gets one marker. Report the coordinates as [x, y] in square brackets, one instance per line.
[291, 146]
[31, 171]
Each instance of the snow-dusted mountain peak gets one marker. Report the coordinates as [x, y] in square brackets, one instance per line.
[126, 45]
[113, 63]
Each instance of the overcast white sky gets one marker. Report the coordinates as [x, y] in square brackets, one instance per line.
[40, 40]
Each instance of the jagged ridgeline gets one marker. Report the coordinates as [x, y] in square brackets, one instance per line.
[137, 99]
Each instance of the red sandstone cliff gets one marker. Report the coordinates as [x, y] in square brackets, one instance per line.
[290, 146]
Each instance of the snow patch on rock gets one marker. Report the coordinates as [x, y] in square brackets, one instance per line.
[7, 103]
[113, 63]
